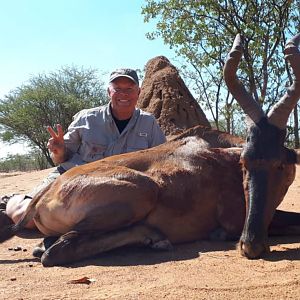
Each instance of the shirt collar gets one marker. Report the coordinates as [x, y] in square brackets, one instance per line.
[108, 113]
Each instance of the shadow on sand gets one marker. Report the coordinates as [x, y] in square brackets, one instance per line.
[134, 256]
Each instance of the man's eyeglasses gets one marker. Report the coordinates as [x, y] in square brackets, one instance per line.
[122, 91]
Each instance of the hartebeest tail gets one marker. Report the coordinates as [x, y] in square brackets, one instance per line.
[268, 165]
[10, 231]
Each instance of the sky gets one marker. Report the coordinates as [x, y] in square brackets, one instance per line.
[41, 36]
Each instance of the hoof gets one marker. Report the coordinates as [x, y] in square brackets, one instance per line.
[40, 249]
[3, 202]
[162, 245]
[46, 260]
[59, 250]
[5, 220]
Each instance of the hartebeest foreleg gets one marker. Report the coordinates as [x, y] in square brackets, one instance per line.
[285, 223]
[74, 246]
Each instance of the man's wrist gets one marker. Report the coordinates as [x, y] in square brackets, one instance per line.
[62, 157]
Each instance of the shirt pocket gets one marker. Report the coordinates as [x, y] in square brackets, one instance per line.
[137, 142]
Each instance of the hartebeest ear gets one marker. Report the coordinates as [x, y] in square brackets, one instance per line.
[280, 112]
[235, 86]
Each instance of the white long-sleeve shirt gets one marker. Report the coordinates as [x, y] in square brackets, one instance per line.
[94, 135]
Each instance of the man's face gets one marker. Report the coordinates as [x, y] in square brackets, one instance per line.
[124, 94]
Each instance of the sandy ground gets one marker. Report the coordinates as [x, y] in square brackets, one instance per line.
[200, 270]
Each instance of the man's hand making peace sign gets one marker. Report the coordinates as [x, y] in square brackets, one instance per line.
[56, 144]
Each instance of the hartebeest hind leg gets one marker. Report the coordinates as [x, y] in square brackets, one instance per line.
[74, 246]
[285, 223]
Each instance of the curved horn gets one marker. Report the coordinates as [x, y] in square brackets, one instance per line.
[235, 86]
[280, 112]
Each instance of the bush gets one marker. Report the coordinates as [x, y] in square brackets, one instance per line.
[27, 162]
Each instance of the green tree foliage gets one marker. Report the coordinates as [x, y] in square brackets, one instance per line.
[26, 162]
[202, 32]
[48, 99]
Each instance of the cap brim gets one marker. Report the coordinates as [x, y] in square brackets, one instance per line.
[119, 75]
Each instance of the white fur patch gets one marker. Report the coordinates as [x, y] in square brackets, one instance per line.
[192, 147]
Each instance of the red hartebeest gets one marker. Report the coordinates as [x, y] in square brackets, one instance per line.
[177, 192]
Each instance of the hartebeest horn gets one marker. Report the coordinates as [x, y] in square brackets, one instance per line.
[280, 112]
[235, 86]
